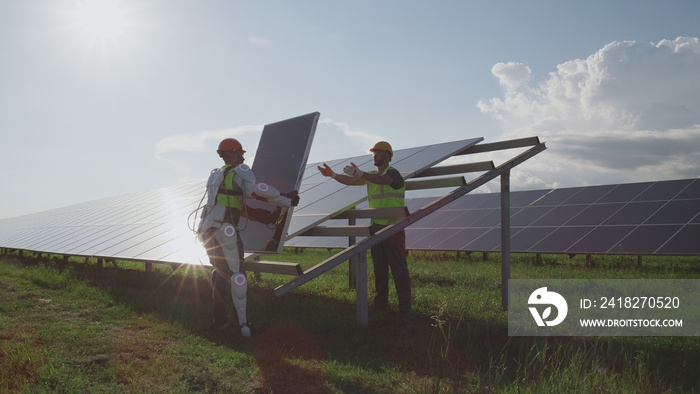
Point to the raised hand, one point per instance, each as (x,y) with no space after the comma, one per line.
(325,170)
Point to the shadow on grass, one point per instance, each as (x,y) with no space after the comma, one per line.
(305,342)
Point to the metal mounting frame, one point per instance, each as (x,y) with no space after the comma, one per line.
(358,251)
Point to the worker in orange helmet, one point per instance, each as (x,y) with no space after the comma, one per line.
(385,188)
(226,191)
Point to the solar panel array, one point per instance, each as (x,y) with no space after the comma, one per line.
(148,226)
(637,218)
(152,226)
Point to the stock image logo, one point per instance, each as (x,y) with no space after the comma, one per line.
(543,297)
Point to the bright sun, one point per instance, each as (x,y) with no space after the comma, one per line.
(100,20)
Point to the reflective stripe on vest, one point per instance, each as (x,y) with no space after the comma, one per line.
(230,193)
(385,196)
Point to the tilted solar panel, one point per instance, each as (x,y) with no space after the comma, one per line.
(153,226)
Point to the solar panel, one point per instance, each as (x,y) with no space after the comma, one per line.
(280,162)
(657,217)
(149,226)
(152,226)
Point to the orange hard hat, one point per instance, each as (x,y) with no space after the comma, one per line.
(230,144)
(383,145)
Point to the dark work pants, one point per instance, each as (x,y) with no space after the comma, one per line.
(391,254)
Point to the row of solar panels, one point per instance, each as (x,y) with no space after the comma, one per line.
(144,226)
(638,218)
(153,226)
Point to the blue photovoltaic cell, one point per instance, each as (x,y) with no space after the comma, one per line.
(645,239)
(474,201)
(624,193)
(491,219)
(676,212)
(526,216)
(490,240)
(589,195)
(632,212)
(461,237)
(439,236)
(601,238)
(683,242)
(415,235)
(557,196)
(692,191)
(491,203)
(466,218)
(523,199)
(522,241)
(663,191)
(437,219)
(594,214)
(559,240)
(558,216)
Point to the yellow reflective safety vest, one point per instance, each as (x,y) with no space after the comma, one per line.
(230,194)
(385,196)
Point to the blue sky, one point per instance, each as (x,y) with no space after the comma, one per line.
(96,106)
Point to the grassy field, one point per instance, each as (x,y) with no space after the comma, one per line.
(74,326)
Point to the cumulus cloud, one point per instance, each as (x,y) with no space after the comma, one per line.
(511,75)
(629,112)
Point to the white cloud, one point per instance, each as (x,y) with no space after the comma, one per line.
(198,142)
(353,141)
(629,112)
(511,75)
(188,156)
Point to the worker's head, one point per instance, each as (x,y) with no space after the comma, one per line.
(382,153)
(231,151)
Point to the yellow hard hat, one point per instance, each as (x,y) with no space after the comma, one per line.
(383,145)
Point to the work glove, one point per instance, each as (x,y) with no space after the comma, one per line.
(352,170)
(294,196)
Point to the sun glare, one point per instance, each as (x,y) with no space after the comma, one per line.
(100,20)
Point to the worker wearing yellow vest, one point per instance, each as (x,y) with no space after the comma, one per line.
(227,190)
(385,188)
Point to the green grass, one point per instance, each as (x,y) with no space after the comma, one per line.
(74,326)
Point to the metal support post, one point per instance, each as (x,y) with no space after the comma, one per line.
(361,290)
(352,263)
(505,239)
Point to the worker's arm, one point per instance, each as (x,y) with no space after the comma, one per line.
(377,179)
(344,179)
(391,177)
